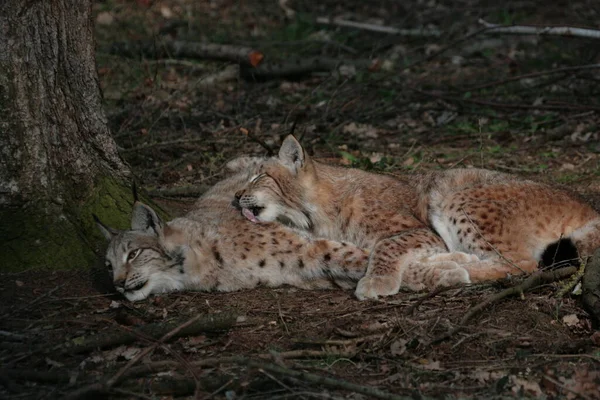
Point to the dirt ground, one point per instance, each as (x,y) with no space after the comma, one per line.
(522,104)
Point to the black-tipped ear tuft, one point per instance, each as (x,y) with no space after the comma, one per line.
(135,193)
(106,231)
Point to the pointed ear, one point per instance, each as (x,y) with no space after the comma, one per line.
(143,218)
(107,232)
(291,154)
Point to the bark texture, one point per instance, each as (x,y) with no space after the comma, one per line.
(58,162)
(590,286)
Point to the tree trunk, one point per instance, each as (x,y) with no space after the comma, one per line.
(58,162)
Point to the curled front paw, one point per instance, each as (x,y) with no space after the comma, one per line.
(371,287)
(451,277)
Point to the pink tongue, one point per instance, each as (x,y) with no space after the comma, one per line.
(248,214)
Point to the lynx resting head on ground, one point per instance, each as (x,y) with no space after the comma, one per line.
(437,228)
(213,248)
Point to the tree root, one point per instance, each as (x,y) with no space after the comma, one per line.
(535,280)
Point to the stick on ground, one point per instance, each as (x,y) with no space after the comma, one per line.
(535,280)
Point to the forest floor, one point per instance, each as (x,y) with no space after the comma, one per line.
(528,105)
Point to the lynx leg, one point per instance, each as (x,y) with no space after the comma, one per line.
(429,275)
(390,258)
(329,259)
(497,268)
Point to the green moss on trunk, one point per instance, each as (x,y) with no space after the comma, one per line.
(62,236)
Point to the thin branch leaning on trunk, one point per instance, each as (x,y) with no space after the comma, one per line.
(541,30)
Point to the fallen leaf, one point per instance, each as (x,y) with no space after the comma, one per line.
(398,347)
(166,12)
(126,352)
(520,385)
(19,283)
(255,58)
(53,363)
(570,320)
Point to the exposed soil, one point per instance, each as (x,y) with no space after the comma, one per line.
(418,109)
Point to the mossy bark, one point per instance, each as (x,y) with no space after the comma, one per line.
(58,161)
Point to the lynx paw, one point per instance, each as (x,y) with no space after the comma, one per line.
(451,277)
(371,287)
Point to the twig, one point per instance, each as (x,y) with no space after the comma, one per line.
(532,75)
(201,323)
(298,67)
(541,30)
(346,342)
(378,28)
(105,385)
(32,302)
(322,380)
(445,48)
(514,106)
(254,138)
(440,289)
(535,280)
(184,49)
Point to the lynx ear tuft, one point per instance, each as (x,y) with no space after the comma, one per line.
(135,193)
(291,154)
(106,231)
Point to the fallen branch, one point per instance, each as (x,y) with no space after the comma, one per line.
(378,28)
(590,286)
(535,280)
(298,67)
(252,65)
(513,106)
(203,323)
(322,380)
(184,49)
(541,30)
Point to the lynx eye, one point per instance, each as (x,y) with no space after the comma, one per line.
(133,254)
(109,266)
(257,177)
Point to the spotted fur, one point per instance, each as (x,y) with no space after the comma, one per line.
(214,248)
(425,230)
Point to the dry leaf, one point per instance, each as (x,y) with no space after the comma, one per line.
(398,347)
(570,320)
(166,12)
(19,283)
(527,387)
(255,58)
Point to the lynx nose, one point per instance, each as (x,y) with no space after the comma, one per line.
(236,200)
(119,283)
